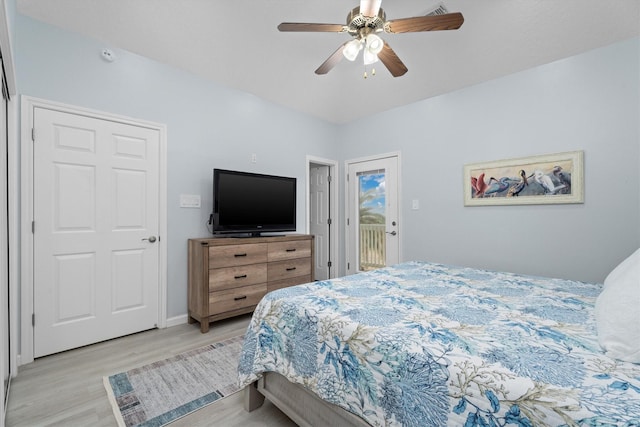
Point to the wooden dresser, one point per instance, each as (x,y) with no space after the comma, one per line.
(228,276)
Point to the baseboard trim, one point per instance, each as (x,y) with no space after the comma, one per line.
(173,321)
(177,320)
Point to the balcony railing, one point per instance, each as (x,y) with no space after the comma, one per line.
(372,246)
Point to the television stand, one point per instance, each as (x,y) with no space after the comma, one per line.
(228,277)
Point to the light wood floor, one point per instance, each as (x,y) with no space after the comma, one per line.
(66,389)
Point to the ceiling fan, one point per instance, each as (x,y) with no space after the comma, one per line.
(363,23)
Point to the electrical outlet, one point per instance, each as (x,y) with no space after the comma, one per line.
(254,158)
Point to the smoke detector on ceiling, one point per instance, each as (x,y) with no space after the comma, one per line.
(108,55)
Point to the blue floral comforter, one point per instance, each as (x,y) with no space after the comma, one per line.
(422,344)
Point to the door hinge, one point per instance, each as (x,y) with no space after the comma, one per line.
(33,134)
(33,319)
(348,266)
(328,221)
(33,227)
(329,178)
(347,221)
(329,264)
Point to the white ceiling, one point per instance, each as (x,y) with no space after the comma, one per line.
(236,43)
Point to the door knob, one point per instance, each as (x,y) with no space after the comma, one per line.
(393,233)
(151,239)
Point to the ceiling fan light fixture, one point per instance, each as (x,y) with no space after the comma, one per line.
(369,57)
(374,44)
(352,49)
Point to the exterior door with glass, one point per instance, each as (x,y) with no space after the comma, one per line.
(373,232)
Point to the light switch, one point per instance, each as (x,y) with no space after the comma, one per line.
(189,200)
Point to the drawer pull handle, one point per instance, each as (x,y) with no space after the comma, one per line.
(291,250)
(291,268)
(239,298)
(239,255)
(242,276)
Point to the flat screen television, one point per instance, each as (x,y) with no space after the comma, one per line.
(245,202)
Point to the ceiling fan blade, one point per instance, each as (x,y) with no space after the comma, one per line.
(331,61)
(449,21)
(300,26)
(370,7)
(390,60)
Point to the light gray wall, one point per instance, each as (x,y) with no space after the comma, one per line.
(588,102)
(10,8)
(208,125)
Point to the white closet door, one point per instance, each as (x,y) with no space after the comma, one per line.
(96,255)
(5,351)
(319,219)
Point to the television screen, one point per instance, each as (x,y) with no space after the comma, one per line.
(246,202)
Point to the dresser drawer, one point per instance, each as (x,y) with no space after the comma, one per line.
(234,277)
(285,283)
(237,298)
(289,250)
(290,268)
(234,255)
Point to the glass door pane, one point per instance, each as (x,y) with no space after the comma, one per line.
(372,216)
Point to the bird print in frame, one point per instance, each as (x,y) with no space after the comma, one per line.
(544,179)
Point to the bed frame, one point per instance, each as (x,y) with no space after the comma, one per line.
(303,407)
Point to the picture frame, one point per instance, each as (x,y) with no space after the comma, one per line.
(544,179)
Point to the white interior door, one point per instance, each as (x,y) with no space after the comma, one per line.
(319,222)
(373,231)
(96,223)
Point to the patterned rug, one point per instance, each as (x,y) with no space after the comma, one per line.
(161,392)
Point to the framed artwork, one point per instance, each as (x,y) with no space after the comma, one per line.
(547,179)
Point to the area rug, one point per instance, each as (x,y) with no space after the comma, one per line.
(156,394)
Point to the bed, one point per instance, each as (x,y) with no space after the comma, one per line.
(421,344)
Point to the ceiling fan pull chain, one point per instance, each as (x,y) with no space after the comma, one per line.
(373,71)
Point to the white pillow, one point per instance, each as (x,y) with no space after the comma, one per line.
(618,311)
